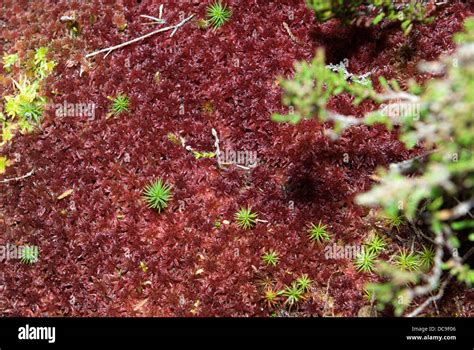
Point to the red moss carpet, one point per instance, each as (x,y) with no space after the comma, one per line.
(93,241)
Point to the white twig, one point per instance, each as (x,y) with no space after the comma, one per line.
(401,95)
(433,280)
(292,36)
(407,165)
(431,299)
(112,48)
(19,177)
(157,20)
(217,147)
(459,210)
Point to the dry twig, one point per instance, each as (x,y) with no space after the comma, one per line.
(112,48)
(19,177)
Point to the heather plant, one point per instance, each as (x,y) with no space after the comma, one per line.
(351,11)
(435,193)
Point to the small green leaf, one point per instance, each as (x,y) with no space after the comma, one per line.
(9,61)
(379,18)
(4,162)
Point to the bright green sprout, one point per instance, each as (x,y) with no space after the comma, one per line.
(218,14)
(271,296)
(29,254)
(426,257)
(40,55)
(30,111)
(119,104)
(9,61)
(293,294)
(200,155)
(318,232)
(369,295)
(173,138)
(304,283)
(143,266)
(270,258)
(376,244)
(157,194)
(365,261)
(4,162)
(245,218)
(394,220)
(407,261)
(217,224)
(202,23)
(42,66)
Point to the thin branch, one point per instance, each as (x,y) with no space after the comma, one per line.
(19,177)
(392,95)
(431,299)
(154,19)
(420,233)
(327,294)
(459,210)
(433,281)
(434,278)
(216,143)
(407,165)
(292,36)
(112,48)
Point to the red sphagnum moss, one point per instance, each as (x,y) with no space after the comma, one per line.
(92,242)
